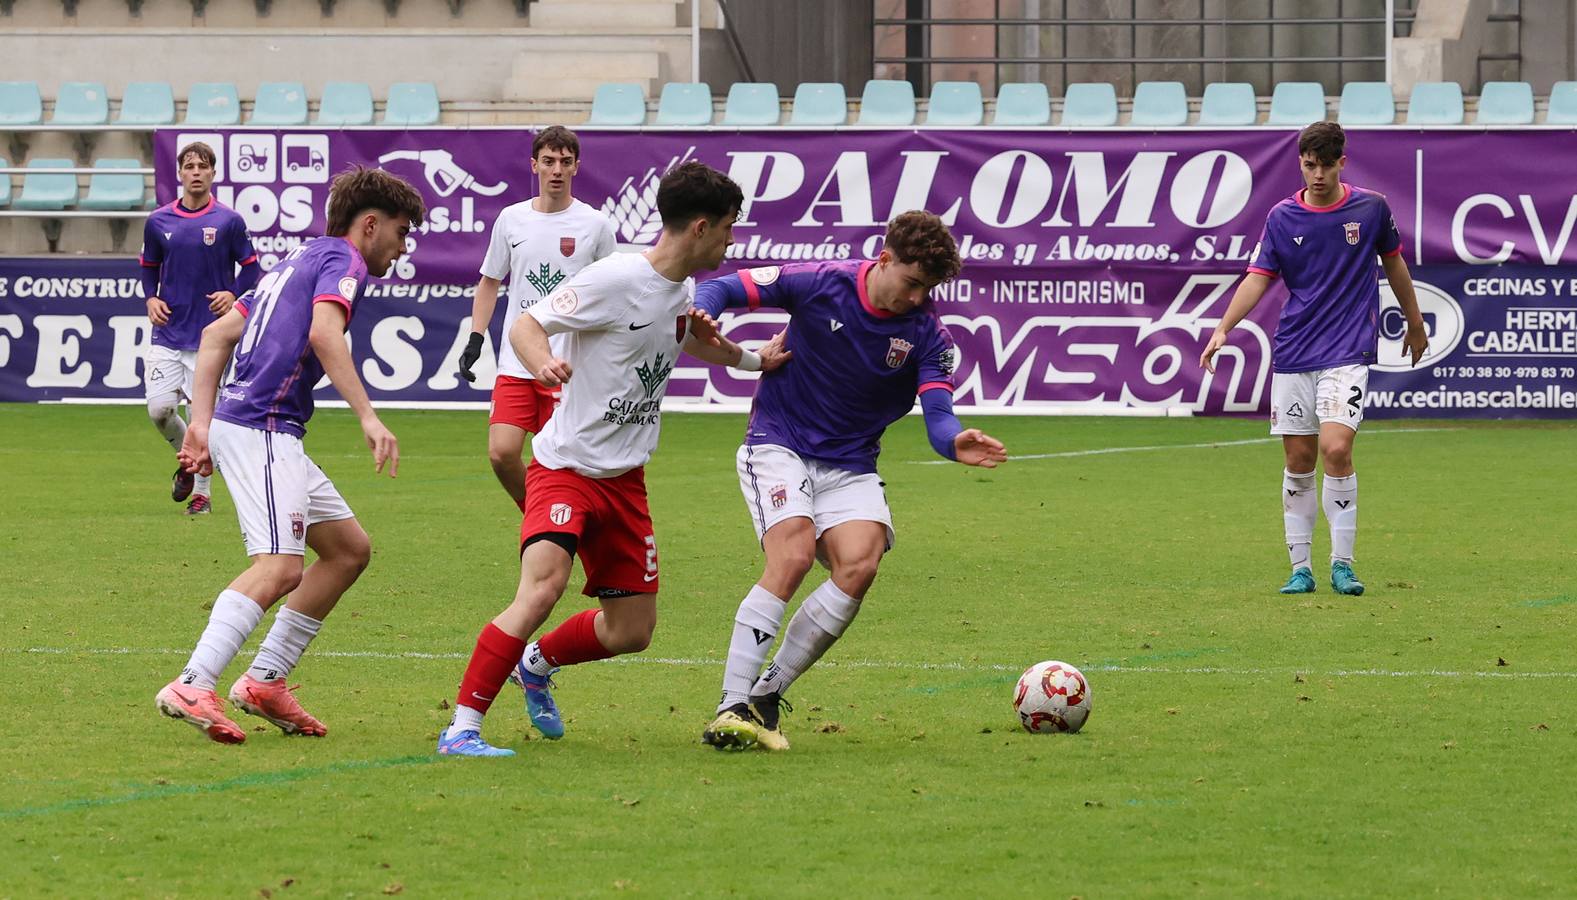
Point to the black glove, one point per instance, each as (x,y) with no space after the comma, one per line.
(469,356)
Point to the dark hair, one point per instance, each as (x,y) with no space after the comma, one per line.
(359,188)
(203,151)
(694,189)
(920,237)
(556,137)
(1324,140)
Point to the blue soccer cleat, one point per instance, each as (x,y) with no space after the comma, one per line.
(540,708)
(1343,581)
(468,743)
(1301,582)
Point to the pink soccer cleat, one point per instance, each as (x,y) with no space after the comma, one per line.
(200,708)
(273,701)
(200,505)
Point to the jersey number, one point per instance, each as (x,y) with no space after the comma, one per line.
(1355,402)
(263,297)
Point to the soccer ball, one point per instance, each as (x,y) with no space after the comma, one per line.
(1052,696)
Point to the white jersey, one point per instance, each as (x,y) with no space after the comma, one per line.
(537,252)
(626,324)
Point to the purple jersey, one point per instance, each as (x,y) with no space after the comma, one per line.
(270,387)
(1326,256)
(196,253)
(856,369)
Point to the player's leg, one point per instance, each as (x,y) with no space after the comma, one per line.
(505,443)
(517,409)
(1341,396)
(201,502)
(1293,417)
(162,376)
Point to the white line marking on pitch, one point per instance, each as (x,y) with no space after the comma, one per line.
(1104,450)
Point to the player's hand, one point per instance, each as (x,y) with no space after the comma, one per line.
(1218,339)
(381,441)
(773,354)
(219,302)
(469,356)
(1416,341)
(703,328)
(193,455)
(554,372)
(973,447)
(158,311)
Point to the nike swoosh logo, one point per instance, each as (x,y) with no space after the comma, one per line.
(481,698)
(185,699)
(648,578)
(518,243)
(635,327)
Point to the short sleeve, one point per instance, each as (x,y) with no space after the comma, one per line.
(152,249)
(592,301)
(241,243)
(1389,242)
(339,281)
(606,244)
(496,264)
(1266,258)
(939,358)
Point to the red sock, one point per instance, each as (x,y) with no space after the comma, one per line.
(495,656)
(573,642)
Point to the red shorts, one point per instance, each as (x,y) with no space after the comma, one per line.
(523,403)
(607,516)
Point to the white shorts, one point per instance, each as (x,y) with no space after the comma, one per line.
(1301,401)
(279,492)
(780,484)
(166,370)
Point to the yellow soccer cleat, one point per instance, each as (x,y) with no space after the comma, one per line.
(733,729)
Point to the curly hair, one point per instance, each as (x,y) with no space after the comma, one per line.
(359,188)
(921,237)
(1325,141)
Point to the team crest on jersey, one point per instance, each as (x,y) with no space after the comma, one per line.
(298,525)
(779,496)
(347,287)
(559,513)
(681,328)
(210,235)
(1351,228)
(898,352)
(567,245)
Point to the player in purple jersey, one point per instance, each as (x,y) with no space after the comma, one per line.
(290,332)
(865,340)
(190,250)
(1322,242)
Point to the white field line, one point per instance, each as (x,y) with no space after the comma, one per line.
(1100,451)
(857,664)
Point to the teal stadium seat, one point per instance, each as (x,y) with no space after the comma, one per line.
(48,191)
(1297,103)
(955,103)
(20,103)
(1435,103)
(411,103)
(1089,105)
(279,103)
(1563,104)
(685,104)
(5,183)
(109,189)
(752,104)
(1160,104)
(618,104)
(81,103)
(1228,104)
(213,103)
(886,102)
(345,103)
(1366,103)
(1505,103)
(1024,105)
(147,103)
(819,103)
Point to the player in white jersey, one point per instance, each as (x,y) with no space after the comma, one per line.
(536,244)
(627,318)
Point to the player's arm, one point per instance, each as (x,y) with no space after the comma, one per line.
(327,339)
(482,306)
(213,353)
(530,341)
(152,259)
(1247,296)
(1417,339)
(706,343)
(755,288)
(950,438)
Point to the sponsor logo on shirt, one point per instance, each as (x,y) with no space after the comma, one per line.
(653,376)
(347,287)
(898,352)
(948,360)
(559,513)
(210,235)
(1351,228)
(564,302)
(765,275)
(546,278)
(567,245)
(226,393)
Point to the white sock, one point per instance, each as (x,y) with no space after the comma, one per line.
(202,484)
(465,719)
(1341,510)
(756,623)
(286,641)
(1298,513)
(536,663)
(165,413)
(818,623)
(232,620)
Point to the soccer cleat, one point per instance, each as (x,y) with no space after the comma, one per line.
(273,701)
(200,708)
(1301,582)
(468,743)
(540,708)
(181,484)
(733,729)
(200,505)
(769,709)
(1343,581)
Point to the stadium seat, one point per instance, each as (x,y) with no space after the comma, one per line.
(1366,103)
(81,103)
(618,104)
(108,189)
(147,103)
(1505,103)
(411,103)
(1563,104)
(886,102)
(752,103)
(1228,103)
(279,103)
(955,103)
(1023,104)
(685,104)
(48,191)
(1160,104)
(1297,103)
(20,103)
(1090,105)
(213,103)
(345,103)
(5,183)
(819,103)
(1435,103)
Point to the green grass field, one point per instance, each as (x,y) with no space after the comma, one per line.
(1241,744)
